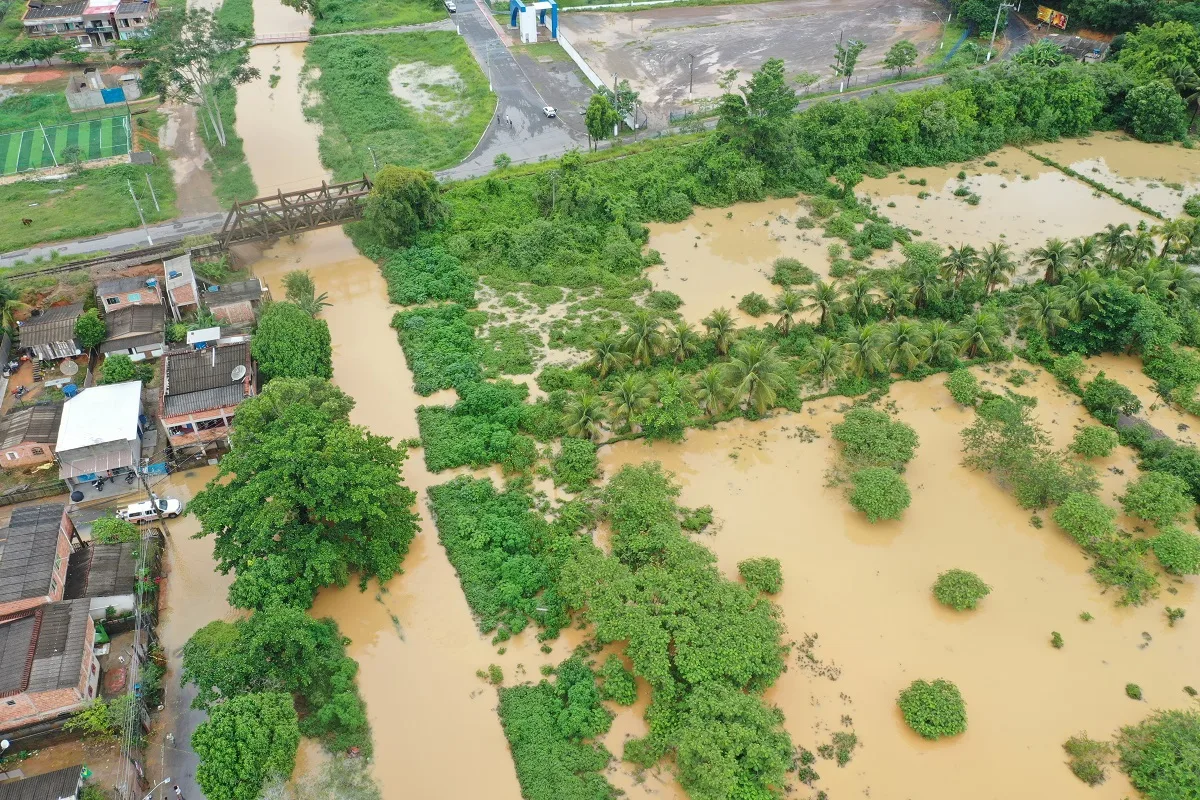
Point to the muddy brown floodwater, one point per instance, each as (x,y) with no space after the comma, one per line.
(864,591)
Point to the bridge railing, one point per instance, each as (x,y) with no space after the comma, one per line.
(281,38)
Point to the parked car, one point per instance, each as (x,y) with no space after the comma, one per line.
(145,511)
(550,111)
(450,6)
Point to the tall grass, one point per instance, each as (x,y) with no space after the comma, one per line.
(232,179)
(356,108)
(357,15)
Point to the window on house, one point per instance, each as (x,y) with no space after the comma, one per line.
(124,23)
(11,456)
(111,301)
(37,451)
(135,298)
(10,702)
(180,430)
(209,424)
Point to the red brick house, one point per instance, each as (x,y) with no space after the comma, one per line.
(47,665)
(201,392)
(35,551)
(125,292)
(27,435)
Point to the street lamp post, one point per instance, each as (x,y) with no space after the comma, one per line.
(999,10)
(150,794)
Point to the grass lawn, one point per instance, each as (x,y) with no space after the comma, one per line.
(357,15)
(92,202)
(230,172)
(356,108)
(11,12)
(540,50)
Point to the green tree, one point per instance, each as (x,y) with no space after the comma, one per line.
(904,345)
(864,354)
(1043,311)
(871,438)
(1160,755)
(1052,258)
(1154,53)
(1042,53)
(402,203)
(119,368)
(301,289)
(1094,441)
(755,374)
(786,305)
(189,58)
(1157,497)
(963,387)
(880,493)
(682,341)
(901,56)
(943,341)
(846,57)
(1156,113)
(600,118)
(607,354)
(629,398)
(1177,550)
(960,590)
(10,301)
(244,742)
(584,416)
(304,498)
(762,574)
(711,390)
(290,343)
(107,530)
(960,262)
(996,266)
(824,360)
(1107,399)
(823,299)
(934,709)
(90,330)
(981,332)
(859,298)
(643,337)
(722,329)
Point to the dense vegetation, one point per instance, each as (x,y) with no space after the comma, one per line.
(959,589)
(934,709)
(304,498)
(1161,755)
(291,343)
(243,743)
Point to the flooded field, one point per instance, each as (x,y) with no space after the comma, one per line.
(864,591)
(1127,369)
(1160,175)
(1022,203)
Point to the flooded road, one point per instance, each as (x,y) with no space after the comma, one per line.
(865,592)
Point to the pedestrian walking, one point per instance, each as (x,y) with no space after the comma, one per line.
(178,791)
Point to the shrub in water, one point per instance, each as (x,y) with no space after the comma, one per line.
(933,710)
(963,387)
(1177,550)
(763,574)
(959,589)
(880,493)
(1094,441)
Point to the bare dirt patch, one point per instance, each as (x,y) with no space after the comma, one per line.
(435,90)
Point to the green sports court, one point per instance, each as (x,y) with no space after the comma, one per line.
(21,151)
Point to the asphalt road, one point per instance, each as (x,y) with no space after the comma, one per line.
(130,239)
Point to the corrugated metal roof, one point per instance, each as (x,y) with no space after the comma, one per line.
(235,293)
(132,342)
(61,641)
(16,651)
(57,785)
(121,286)
(27,548)
(56,325)
(204,400)
(103,570)
(133,320)
(61,10)
(210,368)
(32,424)
(134,8)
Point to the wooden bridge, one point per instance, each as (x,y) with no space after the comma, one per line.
(294,212)
(281,38)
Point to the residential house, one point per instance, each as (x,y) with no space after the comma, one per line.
(27,435)
(182,293)
(201,390)
(237,303)
(62,784)
(134,18)
(106,575)
(99,22)
(56,19)
(35,550)
(101,433)
(47,665)
(135,331)
(124,292)
(51,334)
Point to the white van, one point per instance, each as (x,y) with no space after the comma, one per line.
(145,512)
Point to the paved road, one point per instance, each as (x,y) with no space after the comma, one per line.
(531,135)
(131,239)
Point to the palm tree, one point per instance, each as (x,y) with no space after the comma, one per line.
(1148,279)
(1141,248)
(755,374)
(786,305)
(1082,292)
(1176,235)
(958,263)
(904,344)
(859,294)
(9,302)
(925,278)
(895,295)
(1043,311)
(644,339)
(981,331)
(1052,259)
(584,416)
(631,395)
(944,341)
(607,354)
(1115,242)
(722,329)
(824,299)
(1182,282)
(682,341)
(302,290)
(862,346)
(1084,252)
(996,266)
(824,360)
(711,391)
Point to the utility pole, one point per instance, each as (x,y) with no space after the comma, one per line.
(141,473)
(840,58)
(999,10)
(138,206)
(153,196)
(374,160)
(691,63)
(47,140)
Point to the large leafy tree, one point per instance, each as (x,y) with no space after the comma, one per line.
(901,56)
(600,118)
(90,330)
(243,743)
(1155,52)
(188,58)
(758,118)
(304,498)
(402,203)
(290,343)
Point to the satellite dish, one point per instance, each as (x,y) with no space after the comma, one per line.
(69,368)
(239,372)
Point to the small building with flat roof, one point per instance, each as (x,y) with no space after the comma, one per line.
(122,292)
(235,304)
(101,432)
(182,294)
(27,435)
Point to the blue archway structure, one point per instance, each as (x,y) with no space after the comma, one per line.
(516,7)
